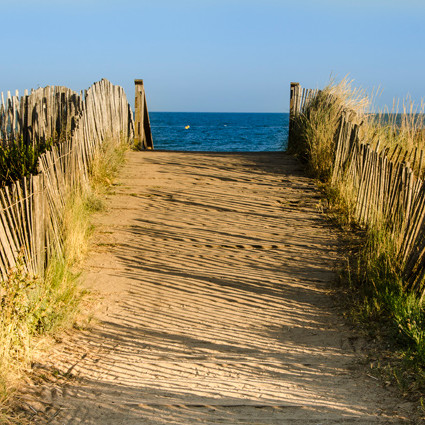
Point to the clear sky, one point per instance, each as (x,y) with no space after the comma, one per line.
(215,55)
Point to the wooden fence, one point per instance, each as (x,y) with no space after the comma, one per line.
(32,210)
(48,113)
(386,188)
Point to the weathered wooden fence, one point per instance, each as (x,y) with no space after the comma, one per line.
(386,188)
(48,113)
(32,210)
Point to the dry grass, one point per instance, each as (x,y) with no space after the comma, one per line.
(400,134)
(34,307)
(402,126)
(316,128)
(107,162)
(378,298)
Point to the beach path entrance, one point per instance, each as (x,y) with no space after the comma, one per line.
(214,274)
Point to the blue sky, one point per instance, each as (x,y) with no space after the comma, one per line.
(215,55)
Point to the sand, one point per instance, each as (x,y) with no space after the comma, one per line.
(213,276)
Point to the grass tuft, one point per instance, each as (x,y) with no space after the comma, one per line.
(107,162)
(316,129)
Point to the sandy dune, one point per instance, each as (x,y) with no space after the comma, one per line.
(214,274)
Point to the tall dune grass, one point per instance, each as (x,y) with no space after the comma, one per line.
(399,126)
(316,129)
(378,294)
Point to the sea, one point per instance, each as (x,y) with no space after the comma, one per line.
(219,132)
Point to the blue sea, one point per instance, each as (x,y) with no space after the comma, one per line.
(219,132)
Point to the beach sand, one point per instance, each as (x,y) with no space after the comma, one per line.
(213,277)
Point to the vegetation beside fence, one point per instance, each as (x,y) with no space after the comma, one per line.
(74,143)
(371,168)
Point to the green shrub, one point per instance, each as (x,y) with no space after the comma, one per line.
(19,159)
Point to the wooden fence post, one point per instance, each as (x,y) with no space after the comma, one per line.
(142,133)
(295,89)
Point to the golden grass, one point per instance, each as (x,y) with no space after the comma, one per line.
(34,307)
(402,126)
(316,129)
(378,298)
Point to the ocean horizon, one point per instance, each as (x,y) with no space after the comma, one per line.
(220,131)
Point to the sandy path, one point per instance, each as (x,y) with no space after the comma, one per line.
(214,270)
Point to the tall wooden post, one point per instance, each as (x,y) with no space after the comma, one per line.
(142,133)
(293,109)
(295,88)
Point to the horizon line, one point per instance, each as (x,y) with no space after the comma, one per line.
(218,112)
